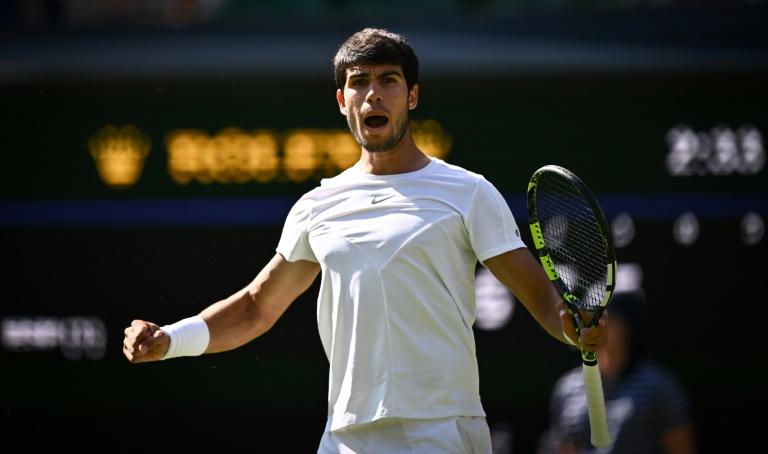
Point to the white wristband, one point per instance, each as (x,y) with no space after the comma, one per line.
(189,337)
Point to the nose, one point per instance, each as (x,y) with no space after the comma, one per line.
(374,93)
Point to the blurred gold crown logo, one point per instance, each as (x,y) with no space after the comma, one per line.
(119,153)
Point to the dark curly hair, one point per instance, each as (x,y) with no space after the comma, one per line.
(375,46)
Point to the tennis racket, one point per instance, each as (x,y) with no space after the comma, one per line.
(575,248)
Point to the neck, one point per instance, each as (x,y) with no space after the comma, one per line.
(402,158)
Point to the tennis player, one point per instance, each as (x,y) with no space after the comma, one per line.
(396,239)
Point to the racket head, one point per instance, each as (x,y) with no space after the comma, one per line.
(572,238)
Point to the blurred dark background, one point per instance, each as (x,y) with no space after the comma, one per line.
(152,149)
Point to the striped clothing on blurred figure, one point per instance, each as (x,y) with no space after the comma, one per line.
(648,401)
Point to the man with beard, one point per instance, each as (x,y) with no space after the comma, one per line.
(396,238)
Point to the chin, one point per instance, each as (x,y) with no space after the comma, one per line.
(378,148)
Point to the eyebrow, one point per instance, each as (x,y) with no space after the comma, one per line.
(364,74)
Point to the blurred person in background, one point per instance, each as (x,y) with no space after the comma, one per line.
(647,406)
(396,239)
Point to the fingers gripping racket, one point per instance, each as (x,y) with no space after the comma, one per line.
(575,248)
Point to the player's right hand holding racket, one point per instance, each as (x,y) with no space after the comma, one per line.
(575,248)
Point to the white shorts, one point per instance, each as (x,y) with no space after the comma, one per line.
(458,434)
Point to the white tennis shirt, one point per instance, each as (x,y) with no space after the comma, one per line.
(397,300)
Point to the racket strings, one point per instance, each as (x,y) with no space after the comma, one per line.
(574,237)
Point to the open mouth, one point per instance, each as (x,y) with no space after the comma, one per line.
(376,121)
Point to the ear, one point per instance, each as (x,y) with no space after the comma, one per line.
(342,102)
(413,97)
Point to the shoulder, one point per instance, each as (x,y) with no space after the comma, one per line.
(345,177)
(654,375)
(329,193)
(650,369)
(326,187)
(460,180)
(306,204)
(446,170)
(666,392)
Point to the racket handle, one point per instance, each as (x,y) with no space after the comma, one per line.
(598,422)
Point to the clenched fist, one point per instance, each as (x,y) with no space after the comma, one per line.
(144,342)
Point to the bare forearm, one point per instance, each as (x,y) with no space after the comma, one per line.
(524,277)
(226,324)
(233,322)
(541,300)
(546,312)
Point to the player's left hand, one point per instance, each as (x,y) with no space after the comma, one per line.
(590,339)
(593,338)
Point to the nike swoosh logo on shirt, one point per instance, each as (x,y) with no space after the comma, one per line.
(378,199)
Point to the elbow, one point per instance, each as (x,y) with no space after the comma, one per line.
(259,318)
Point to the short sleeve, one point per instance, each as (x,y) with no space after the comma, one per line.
(491,225)
(294,241)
